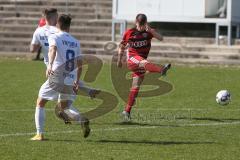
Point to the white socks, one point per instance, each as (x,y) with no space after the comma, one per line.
(72,112)
(39,119)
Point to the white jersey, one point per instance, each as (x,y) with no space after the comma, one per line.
(68,49)
(40,37)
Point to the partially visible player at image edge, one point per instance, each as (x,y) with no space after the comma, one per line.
(137,42)
(41,23)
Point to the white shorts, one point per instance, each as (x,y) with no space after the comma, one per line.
(48,93)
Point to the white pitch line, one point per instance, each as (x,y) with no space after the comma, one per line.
(125,128)
(32,110)
(22,110)
(184,109)
(74,131)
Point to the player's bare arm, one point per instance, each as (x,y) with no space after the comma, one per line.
(79,72)
(154,33)
(121,50)
(34,48)
(51,56)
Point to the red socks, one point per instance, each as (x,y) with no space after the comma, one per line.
(134,91)
(152,67)
(131,99)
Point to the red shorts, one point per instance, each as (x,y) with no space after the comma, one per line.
(133,64)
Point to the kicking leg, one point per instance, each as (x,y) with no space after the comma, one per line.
(73,114)
(59,112)
(148,66)
(90,91)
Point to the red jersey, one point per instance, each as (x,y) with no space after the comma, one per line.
(138,43)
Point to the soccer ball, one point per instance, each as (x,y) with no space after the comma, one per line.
(223,97)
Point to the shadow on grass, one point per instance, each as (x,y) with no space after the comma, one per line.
(164,124)
(144,142)
(212,119)
(153,142)
(67,140)
(143,124)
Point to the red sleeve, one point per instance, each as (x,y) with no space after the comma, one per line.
(125,38)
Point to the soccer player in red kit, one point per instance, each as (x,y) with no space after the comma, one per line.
(137,42)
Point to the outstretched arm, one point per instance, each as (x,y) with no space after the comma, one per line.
(154,33)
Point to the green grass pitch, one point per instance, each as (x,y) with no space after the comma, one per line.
(183,124)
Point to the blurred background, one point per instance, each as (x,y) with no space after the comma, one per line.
(205,31)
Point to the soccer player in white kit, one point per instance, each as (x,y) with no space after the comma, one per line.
(64,50)
(40,39)
(41,34)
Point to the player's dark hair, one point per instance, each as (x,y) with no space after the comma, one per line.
(141,19)
(64,21)
(49,13)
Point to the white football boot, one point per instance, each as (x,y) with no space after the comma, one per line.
(126,116)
